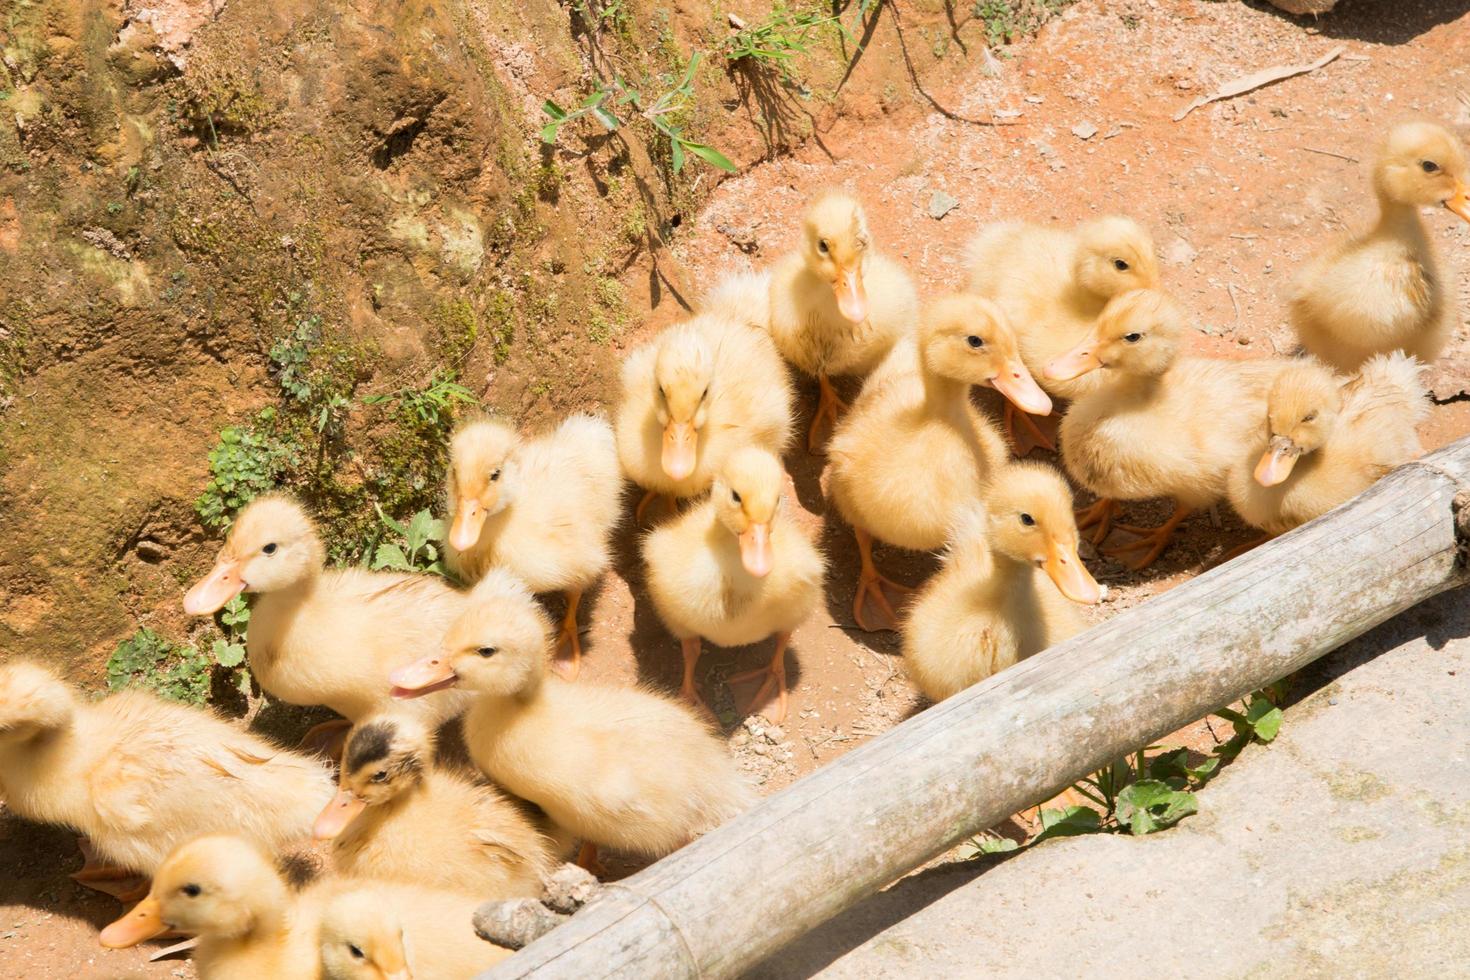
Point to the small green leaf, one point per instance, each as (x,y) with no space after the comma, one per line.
(1149,805)
(548,132)
(554,111)
(678,155)
(995,845)
(228,654)
(608,120)
(391,556)
(711,156)
(236,612)
(1071,822)
(1264,718)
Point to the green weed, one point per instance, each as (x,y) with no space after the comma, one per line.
(418,546)
(1007,21)
(147,660)
(432,407)
(779,38)
(245,463)
(610,98)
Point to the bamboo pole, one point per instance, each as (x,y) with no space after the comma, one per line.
(740,893)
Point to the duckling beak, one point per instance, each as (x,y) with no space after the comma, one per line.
(679,443)
(1016,383)
(1276,462)
(1064,566)
(469,518)
(144,922)
(756,553)
(852,298)
(210,593)
(1460,202)
(422,677)
(1076,362)
(338,815)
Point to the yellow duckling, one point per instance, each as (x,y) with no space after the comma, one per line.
(700,390)
(139,775)
(1326,441)
(837,305)
(1052,284)
(369,932)
(1157,425)
(324,636)
(400,817)
(913,448)
(227,892)
(544,508)
(1010,569)
(1383,290)
(736,569)
(616,766)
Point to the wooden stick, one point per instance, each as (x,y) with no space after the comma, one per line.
(740,893)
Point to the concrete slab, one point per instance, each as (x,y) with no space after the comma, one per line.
(1342,849)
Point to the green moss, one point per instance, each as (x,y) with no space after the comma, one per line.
(457,327)
(147,660)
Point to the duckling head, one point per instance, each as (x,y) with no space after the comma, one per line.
(683,371)
(969,339)
(33,701)
(835,245)
(499,645)
(746,495)
(362,940)
(1423,164)
(272,546)
(1116,254)
(1301,410)
(1029,512)
(479,461)
(1138,332)
(384,757)
(220,886)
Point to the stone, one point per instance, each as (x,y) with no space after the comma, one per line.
(515,922)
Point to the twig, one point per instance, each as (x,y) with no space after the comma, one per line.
(1255,80)
(1230,288)
(1329,153)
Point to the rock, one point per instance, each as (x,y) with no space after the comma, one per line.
(570,887)
(941,204)
(775,734)
(1179,252)
(1304,6)
(1084,130)
(516,922)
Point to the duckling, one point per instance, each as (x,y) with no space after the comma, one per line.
(400,817)
(139,775)
(226,891)
(616,766)
(736,569)
(369,932)
(698,391)
(1326,441)
(544,508)
(1010,567)
(837,304)
(324,636)
(1052,284)
(1157,425)
(1383,290)
(914,448)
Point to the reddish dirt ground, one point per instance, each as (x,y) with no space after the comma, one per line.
(1238,195)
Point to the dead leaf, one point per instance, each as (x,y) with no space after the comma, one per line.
(1255,80)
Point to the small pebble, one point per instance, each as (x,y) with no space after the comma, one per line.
(775,734)
(1332,700)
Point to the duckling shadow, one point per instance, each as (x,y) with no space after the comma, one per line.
(657,653)
(287,723)
(37,859)
(844,564)
(805,466)
(1376,23)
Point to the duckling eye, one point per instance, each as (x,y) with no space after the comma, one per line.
(381,776)
(494,476)
(1028,520)
(269,549)
(357,954)
(1429,166)
(822,245)
(1310,417)
(1120,265)
(975,342)
(1133,338)
(192,890)
(735,496)
(488,651)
